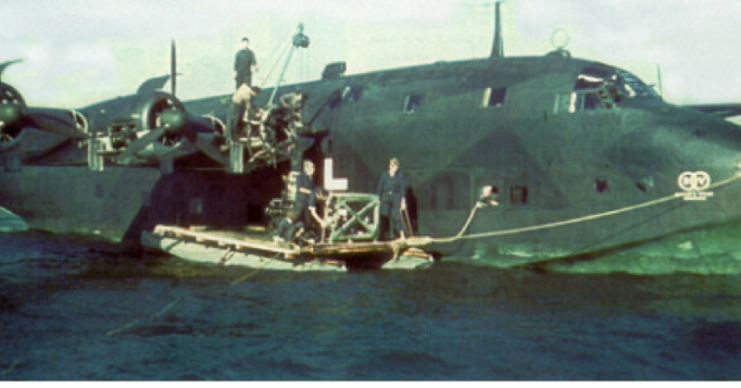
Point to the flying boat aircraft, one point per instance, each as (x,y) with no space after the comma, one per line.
(582,156)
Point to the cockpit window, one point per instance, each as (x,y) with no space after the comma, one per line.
(633,85)
(602,87)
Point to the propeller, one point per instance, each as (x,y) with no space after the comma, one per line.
(12,105)
(168,121)
(141,143)
(203,141)
(9,114)
(15,116)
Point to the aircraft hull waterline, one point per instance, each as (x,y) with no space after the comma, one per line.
(123,202)
(506,239)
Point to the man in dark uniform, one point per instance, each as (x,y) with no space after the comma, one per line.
(317,205)
(293,103)
(244,63)
(391,191)
(289,228)
(304,189)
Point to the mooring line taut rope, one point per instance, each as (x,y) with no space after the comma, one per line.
(151,318)
(590,217)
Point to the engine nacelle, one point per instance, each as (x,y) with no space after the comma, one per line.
(80,121)
(151,128)
(12,111)
(38,128)
(158,111)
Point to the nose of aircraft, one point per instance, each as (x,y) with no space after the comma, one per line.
(716,144)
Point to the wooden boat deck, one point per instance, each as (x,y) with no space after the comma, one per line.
(354,254)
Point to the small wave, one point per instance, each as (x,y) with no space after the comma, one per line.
(400,365)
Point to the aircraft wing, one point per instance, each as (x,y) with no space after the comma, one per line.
(720,110)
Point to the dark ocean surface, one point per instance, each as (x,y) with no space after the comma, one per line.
(73,308)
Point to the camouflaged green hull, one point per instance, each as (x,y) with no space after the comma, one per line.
(558,138)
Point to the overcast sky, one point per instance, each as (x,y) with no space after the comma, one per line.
(77,52)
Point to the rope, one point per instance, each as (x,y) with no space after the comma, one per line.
(11,367)
(460,235)
(277,58)
(165,309)
(152,317)
(468,221)
(223,259)
(251,274)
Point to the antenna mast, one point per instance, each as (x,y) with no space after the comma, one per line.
(497,49)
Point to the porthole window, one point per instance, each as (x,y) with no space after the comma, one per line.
(412,103)
(493,97)
(518,194)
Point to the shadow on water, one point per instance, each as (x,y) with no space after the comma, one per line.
(717,339)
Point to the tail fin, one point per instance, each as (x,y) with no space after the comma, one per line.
(7,64)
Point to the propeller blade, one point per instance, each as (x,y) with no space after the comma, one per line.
(205,143)
(173,67)
(142,142)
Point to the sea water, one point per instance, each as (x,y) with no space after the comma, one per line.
(74,308)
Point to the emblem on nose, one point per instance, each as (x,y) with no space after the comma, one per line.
(694,185)
(694,181)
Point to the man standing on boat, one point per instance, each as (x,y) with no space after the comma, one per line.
(304,190)
(244,64)
(317,205)
(391,192)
